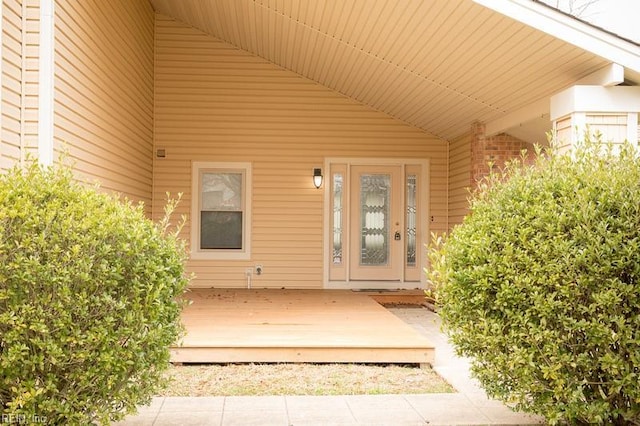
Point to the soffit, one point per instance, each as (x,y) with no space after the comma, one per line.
(438,65)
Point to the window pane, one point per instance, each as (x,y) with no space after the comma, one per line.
(337,218)
(412,209)
(221,230)
(222,191)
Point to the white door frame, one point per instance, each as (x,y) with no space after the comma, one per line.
(423,215)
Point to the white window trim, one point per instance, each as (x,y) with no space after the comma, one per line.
(220,254)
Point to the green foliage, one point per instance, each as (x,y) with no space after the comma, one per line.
(88,300)
(540,285)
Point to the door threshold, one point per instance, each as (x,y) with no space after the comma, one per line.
(374,286)
(377,290)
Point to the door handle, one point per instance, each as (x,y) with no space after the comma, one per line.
(397,236)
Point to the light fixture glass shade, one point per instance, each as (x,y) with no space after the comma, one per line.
(317,178)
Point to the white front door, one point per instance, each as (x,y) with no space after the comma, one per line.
(376,248)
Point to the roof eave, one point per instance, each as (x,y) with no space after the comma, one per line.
(574,31)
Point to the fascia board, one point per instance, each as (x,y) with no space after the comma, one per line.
(595,99)
(522,115)
(570,30)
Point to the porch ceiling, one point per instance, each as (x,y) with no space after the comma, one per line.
(437,64)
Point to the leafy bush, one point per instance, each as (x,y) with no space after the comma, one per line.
(88,300)
(540,285)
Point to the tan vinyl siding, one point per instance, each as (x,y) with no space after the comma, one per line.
(459,178)
(103,101)
(214,102)
(12,65)
(611,127)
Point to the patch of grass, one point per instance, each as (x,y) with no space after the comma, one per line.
(302,379)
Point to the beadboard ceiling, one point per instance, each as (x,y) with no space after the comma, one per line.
(436,64)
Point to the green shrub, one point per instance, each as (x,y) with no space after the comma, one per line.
(88,300)
(540,285)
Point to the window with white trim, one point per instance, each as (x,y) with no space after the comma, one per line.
(221,211)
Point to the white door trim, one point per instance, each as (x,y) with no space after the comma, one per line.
(45,82)
(424,214)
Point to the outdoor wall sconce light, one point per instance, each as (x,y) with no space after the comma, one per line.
(317,178)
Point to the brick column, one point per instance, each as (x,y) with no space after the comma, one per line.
(497,149)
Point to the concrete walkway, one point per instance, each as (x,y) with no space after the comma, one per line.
(470,406)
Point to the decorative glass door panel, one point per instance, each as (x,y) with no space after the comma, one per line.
(375,191)
(376,215)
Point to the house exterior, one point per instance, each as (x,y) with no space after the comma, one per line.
(236,104)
